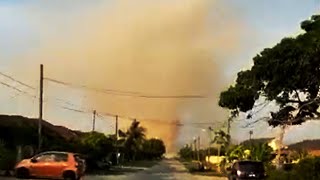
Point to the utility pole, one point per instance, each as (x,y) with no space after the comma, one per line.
(195,148)
(117,150)
(250,136)
(40,109)
(94,121)
(117,127)
(199,148)
(210,140)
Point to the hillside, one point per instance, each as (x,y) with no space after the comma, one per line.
(21,130)
(256,141)
(306,144)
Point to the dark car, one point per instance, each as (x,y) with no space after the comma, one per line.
(247,170)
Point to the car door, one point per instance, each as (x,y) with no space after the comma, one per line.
(39,168)
(56,168)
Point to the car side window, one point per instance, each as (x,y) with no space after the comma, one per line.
(46,158)
(61,157)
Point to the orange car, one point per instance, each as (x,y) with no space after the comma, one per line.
(58,165)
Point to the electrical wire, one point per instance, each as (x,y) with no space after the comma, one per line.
(109,91)
(17,89)
(13,79)
(73,109)
(101,114)
(125,93)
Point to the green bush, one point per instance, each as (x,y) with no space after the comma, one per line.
(306,169)
(7,158)
(280,175)
(186,153)
(152,149)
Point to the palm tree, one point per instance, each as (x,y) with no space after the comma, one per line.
(134,138)
(261,152)
(236,153)
(221,139)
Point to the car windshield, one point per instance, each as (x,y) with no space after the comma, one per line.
(251,166)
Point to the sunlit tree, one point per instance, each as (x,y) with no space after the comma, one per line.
(287,74)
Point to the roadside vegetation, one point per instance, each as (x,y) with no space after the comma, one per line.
(19,141)
(287,76)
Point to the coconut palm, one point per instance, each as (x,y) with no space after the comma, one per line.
(261,152)
(134,138)
(221,139)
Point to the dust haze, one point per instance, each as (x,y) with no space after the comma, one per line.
(153,47)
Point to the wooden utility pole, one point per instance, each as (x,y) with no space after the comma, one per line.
(198,148)
(117,128)
(94,120)
(40,109)
(250,137)
(195,148)
(117,149)
(210,139)
(250,134)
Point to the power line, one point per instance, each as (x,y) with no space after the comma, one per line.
(66,102)
(127,118)
(89,88)
(13,79)
(126,93)
(73,109)
(104,114)
(204,123)
(17,89)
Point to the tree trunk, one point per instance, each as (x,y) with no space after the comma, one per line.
(278,158)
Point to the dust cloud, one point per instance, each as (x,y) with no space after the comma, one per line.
(168,47)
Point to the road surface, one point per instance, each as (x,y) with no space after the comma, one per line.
(165,170)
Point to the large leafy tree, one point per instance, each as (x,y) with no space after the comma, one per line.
(96,146)
(288,73)
(153,148)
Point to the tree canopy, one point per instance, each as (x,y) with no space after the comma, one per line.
(153,148)
(288,73)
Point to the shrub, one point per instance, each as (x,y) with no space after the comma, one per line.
(186,153)
(280,175)
(7,158)
(306,169)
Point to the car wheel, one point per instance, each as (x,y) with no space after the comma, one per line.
(69,175)
(22,173)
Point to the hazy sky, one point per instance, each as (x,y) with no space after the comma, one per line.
(28,27)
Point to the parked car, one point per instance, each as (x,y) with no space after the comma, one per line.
(57,165)
(247,170)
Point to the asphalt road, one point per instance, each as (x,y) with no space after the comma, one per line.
(165,170)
